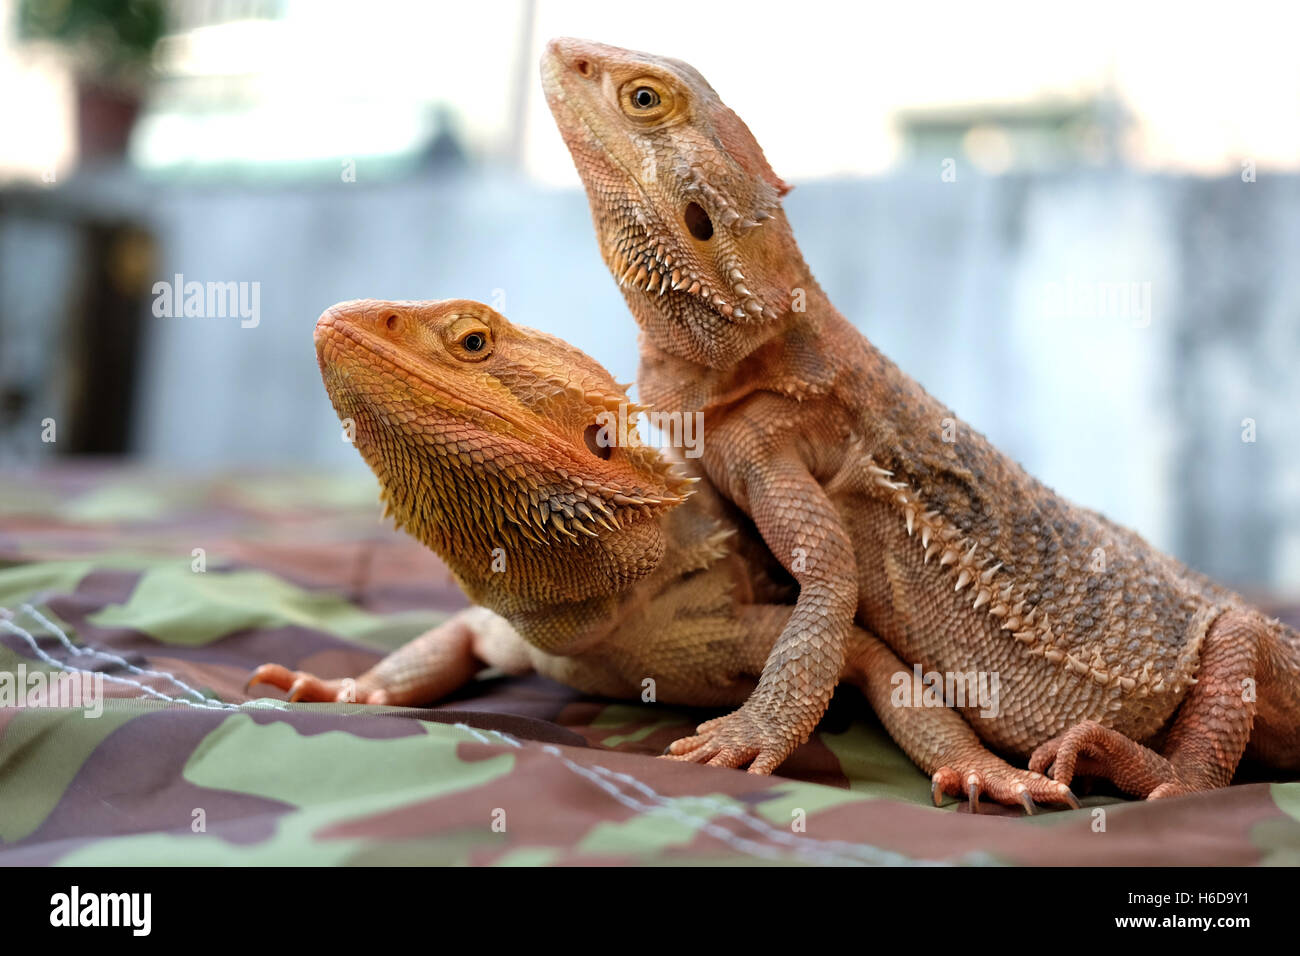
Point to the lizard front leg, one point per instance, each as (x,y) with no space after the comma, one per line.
(940,742)
(421,671)
(803,531)
(1208,736)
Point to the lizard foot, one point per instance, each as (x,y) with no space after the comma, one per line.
(1001,783)
(1090,749)
(303,686)
(737,739)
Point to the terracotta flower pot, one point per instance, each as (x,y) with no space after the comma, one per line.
(105,117)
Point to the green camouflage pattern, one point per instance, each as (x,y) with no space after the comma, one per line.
(98,574)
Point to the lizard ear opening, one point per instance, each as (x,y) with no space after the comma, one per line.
(591,435)
(698,222)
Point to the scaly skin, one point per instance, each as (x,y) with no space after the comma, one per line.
(483,437)
(879,500)
(492,454)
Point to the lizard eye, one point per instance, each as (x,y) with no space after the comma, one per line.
(646,100)
(469,339)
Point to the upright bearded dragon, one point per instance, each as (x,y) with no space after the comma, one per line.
(1112,658)
(495,446)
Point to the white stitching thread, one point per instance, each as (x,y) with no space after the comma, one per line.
(107,655)
(736,842)
(870,854)
(867,853)
(819,851)
(472,732)
(15,629)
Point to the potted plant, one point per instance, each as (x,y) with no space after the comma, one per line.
(111,43)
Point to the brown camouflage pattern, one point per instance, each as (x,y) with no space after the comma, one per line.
(183,767)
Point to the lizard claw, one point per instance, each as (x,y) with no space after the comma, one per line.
(1001,783)
(1090,749)
(733,741)
(307,687)
(274,674)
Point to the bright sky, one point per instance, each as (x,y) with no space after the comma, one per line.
(819,82)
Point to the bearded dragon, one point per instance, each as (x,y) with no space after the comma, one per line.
(1112,659)
(592,557)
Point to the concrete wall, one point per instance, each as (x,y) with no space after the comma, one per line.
(979,288)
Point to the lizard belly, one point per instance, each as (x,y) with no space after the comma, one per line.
(652,679)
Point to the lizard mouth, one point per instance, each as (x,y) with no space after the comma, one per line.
(655,267)
(343,350)
(656,262)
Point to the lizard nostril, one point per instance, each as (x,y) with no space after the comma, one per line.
(393,322)
(584,67)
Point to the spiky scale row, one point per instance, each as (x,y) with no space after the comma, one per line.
(646,263)
(694,182)
(1007,604)
(568,507)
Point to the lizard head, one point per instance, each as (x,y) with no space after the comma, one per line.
(485,435)
(686,207)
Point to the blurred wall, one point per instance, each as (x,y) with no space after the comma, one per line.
(1001,295)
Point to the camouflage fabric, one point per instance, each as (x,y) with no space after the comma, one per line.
(99,574)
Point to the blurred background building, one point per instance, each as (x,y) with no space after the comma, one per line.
(1076,227)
